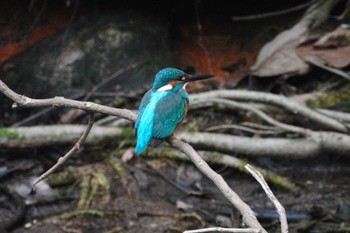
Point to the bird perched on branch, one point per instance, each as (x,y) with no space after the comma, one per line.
(163,107)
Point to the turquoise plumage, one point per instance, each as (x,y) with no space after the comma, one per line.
(163,107)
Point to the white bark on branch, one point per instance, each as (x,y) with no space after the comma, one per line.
(312,145)
(317,142)
(261,114)
(221,229)
(23,101)
(247,213)
(279,208)
(341,116)
(294,107)
(64,158)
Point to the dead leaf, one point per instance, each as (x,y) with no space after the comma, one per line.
(128,155)
(278,56)
(181,205)
(340,37)
(337,57)
(332,49)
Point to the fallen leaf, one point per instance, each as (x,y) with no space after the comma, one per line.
(340,37)
(181,205)
(128,155)
(279,57)
(337,57)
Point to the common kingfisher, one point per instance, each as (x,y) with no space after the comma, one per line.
(163,107)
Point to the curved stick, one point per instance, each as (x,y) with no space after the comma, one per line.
(244,209)
(280,209)
(23,101)
(277,100)
(76,147)
(248,214)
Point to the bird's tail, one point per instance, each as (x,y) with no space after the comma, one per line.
(140,147)
(144,137)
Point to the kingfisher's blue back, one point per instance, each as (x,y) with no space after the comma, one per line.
(161,110)
(163,107)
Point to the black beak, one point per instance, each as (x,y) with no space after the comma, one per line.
(191,78)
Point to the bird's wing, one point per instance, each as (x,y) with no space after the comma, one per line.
(145,100)
(169,112)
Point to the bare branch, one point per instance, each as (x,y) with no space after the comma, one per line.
(245,128)
(259,126)
(317,142)
(328,68)
(268,98)
(221,229)
(280,209)
(272,14)
(41,113)
(298,148)
(243,208)
(76,147)
(111,77)
(247,213)
(342,116)
(261,114)
(24,101)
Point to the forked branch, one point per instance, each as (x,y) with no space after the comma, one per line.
(248,215)
(75,148)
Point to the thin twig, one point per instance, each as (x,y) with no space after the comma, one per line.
(221,229)
(74,113)
(280,209)
(248,215)
(272,99)
(342,116)
(111,77)
(200,35)
(328,68)
(41,113)
(271,14)
(260,126)
(76,147)
(244,128)
(23,101)
(261,114)
(244,209)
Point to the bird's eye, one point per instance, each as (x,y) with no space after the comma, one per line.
(181,78)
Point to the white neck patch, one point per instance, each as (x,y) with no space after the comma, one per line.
(167,87)
(184,86)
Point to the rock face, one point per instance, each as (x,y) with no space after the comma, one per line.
(81,56)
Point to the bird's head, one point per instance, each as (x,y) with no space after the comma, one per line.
(172,78)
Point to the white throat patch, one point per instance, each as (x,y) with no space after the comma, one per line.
(167,87)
